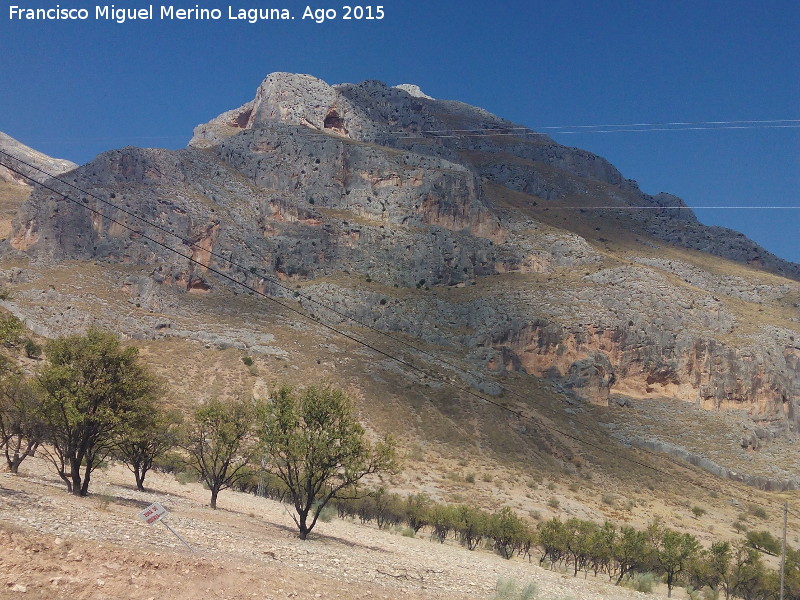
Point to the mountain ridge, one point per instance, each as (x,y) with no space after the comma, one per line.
(485,247)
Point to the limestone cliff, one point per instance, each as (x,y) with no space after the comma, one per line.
(490,245)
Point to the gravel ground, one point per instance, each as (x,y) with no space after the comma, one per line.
(54,546)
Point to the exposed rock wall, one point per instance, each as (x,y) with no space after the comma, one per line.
(363,183)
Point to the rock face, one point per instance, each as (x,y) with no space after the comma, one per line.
(490,245)
(36,160)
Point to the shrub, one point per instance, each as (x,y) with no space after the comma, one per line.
(327,513)
(184,477)
(764,541)
(698,511)
(508,589)
(757,511)
(609,499)
(553,503)
(642,582)
(248,361)
(470,478)
(32,349)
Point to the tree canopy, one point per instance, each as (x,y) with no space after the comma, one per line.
(93,389)
(318,449)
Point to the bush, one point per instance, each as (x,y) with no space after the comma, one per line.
(184,477)
(642,582)
(757,511)
(327,513)
(248,361)
(609,499)
(32,349)
(764,541)
(553,503)
(698,511)
(508,589)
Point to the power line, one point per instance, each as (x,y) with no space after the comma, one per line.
(710,207)
(521,130)
(501,133)
(424,372)
(302,314)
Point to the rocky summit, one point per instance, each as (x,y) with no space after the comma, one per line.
(445,224)
(34,162)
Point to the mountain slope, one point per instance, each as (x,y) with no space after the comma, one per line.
(35,160)
(484,251)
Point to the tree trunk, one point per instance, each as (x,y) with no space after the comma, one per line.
(75,467)
(139,479)
(303,524)
(214,492)
(85,485)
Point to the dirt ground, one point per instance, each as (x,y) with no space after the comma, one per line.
(55,546)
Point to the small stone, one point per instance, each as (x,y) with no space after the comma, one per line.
(18,587)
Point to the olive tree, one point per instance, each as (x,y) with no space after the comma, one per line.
(92,388)
(315,445)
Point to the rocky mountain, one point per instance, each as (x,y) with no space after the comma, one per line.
(441,222)
(34,158)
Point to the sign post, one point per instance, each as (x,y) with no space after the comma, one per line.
(155,513)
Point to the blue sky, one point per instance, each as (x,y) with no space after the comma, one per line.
(74,89)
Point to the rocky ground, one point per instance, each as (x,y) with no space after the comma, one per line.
(55,546)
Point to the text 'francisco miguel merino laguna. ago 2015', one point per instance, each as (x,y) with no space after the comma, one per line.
(110,12)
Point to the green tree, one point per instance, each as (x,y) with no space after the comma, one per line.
(712,568)
(11,330)
(472,525)
(220,441)
(579,533)
(92,389)
(387,508)
(600,547)
(150,435)
(673,552)
(552,536)
(508,532)
(444,518)
(749,577)
(418,511)
(319,450)
(21,425)
(630,551)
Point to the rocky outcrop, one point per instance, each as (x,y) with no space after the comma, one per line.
(642,362)
(31,162)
